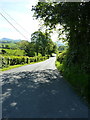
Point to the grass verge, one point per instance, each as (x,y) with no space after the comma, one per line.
(77,78)
(16,66)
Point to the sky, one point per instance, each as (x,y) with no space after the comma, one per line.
(20,11)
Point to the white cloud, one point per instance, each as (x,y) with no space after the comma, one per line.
(20,11)
(32,2)
(24,19)
(15,1)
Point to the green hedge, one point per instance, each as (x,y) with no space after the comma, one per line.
(74,73)
(61,56)
(6,61)
(60,59)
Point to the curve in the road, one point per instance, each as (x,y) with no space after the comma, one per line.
(38,91)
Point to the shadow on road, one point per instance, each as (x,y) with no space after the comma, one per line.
(37,94)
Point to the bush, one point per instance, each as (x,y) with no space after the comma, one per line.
(74,73)
(14,60)
(61,56)
(3,51)
(78,79)
(60,60)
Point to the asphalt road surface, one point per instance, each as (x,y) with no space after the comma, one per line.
(39,91)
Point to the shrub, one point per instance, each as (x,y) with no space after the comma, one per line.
(61,56)
(74,73)
(60,60)
(3,51)
(14,60)
(78,79)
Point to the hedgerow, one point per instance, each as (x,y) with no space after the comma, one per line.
(15,60)
(74,73)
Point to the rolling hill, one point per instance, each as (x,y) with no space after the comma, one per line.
(8,40)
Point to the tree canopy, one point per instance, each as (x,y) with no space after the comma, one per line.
(75,18)
(43,43)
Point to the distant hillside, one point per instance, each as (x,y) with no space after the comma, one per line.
(8,40)
(59,43)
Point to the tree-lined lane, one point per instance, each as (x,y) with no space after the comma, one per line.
(38,91)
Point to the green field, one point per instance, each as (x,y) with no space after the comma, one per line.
(16,52)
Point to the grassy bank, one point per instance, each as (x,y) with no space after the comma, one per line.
(16,66)
(76,76)
(6,61)
(11,67)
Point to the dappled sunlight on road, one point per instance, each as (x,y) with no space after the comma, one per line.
(38,94)
(23,88)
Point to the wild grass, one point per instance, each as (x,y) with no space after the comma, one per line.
(78,79)
(16,66)
(76,76)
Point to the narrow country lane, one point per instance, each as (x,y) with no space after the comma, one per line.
(38,91)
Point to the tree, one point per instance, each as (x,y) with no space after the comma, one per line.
(62,48)
(36,40)
(3,51)
(7,46)
(27,46)
(43,43)
(75,18)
